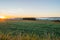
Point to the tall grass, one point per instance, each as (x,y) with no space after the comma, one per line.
(28,37)
(29,30)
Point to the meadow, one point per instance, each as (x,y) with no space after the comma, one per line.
(29,30)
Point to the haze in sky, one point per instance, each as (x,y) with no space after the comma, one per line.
(30,8)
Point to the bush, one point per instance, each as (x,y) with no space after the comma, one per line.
(29,18)
(56,20)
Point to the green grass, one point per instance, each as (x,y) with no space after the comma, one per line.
(29,30)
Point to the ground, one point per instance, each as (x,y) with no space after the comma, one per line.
(29,30)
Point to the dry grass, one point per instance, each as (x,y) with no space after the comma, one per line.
(28,37)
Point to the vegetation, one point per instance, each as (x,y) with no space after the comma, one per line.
(56,20)
(29,30)
(29,18)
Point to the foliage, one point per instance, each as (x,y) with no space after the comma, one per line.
(29,30)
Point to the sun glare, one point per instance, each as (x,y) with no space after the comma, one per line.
(2,17)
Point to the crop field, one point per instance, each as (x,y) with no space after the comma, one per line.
(29,30)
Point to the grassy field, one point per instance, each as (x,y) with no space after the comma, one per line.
(29,30)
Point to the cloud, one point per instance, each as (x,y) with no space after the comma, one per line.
(11,10)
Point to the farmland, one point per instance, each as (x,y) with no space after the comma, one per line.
(29,30)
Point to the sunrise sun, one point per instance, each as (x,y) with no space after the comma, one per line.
(2,17)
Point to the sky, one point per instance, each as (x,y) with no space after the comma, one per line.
(30,8)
